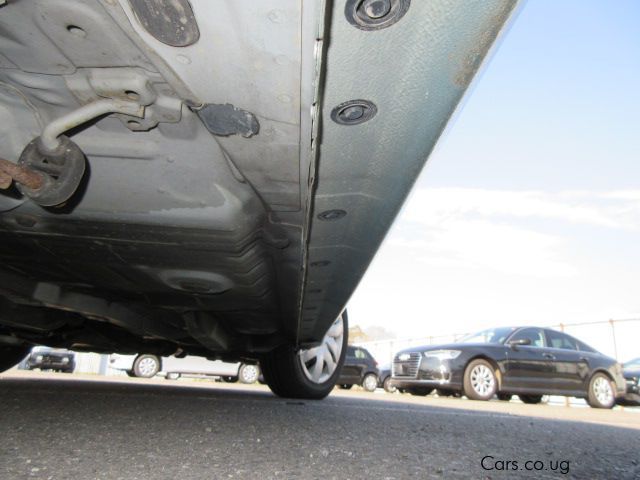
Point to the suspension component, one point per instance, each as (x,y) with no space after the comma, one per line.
(51,166)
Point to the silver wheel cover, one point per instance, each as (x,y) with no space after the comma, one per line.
(603,391)
(370,383)
(319,363)
(482,380)
(250,374)
(147,366)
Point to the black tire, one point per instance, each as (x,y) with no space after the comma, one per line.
(420,391)
(472,377)
(345,386)
(530,399)
(283,371)
(600,381)
(370,382)
(130,373)
(140,366)
(388,387)
(245,374)
(11,355)
(227,379)
(444,392)
(505,397)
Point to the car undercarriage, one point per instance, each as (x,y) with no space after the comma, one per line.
(214,177)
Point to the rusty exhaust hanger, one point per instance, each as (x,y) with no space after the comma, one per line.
(51,166)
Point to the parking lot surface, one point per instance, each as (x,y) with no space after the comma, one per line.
(57,426)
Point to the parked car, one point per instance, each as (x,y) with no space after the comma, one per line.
(527,361)
(384,379)
(147,365)
(631,372)
(149,205)
(45,358)
(360,368)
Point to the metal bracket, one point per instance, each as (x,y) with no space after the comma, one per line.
(161,103)
(49,141)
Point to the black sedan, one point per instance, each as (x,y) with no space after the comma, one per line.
(360,368)
(527,361)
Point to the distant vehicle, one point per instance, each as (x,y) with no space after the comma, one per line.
(631,372)
(147,366)
(360,368)
(54,359)
(528,361)
(384,379)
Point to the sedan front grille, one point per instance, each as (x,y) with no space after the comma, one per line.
(406,365)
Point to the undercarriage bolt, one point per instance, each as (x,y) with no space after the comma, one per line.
(352,113)
(376,8)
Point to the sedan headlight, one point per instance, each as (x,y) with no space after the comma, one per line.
(39,358)
(443,354)
(65,360)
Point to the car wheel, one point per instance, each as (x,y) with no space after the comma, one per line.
(345,386)
(480,381)
(11,355)
(530,399)
(601,392)
(388,387)
(146,366)
(370,382)
(249,373)
(420,391)
(505,397)
(308,373)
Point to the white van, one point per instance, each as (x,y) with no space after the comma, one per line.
(147,365)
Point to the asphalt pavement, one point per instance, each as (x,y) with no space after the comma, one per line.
(56,426)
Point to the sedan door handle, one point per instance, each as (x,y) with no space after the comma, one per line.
(550,356)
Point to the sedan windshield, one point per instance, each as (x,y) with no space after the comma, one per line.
(491,335)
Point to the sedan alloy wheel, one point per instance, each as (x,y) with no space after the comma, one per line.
(480,381)
(601,392)
(370,382)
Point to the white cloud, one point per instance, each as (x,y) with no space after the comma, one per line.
(496,229)
(619,209)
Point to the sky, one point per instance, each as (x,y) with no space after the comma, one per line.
(528,211)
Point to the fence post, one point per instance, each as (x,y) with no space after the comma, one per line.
(613,335)
(567,403)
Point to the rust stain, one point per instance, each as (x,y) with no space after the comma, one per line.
(21,175)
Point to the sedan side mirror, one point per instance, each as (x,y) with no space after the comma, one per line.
(521,341)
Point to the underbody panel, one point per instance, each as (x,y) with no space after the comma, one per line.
(230,200)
